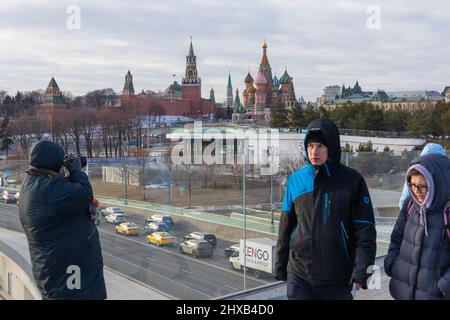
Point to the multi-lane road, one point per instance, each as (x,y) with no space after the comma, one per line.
(178,275)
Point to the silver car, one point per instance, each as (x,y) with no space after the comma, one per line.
(116,218)
(198,248)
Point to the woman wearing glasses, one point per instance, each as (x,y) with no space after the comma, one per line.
(418,260)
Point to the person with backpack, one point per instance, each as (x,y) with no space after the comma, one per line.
(418,260)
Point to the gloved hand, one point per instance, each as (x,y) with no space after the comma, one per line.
(75,164)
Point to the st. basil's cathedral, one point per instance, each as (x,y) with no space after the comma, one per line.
(263,93)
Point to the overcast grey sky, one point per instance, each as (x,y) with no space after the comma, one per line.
(321,42)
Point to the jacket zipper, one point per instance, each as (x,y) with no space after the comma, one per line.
(344,241)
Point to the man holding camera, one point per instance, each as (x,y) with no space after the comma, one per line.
(64,244)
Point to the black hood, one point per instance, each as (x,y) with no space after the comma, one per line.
(330,133)
(438,166)
(47,155)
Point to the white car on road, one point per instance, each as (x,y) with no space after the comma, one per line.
(116,218)
(107,211)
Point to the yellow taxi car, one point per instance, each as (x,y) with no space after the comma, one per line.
(128,229)
(160,238)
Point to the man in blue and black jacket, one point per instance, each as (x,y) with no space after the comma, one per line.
(327,236)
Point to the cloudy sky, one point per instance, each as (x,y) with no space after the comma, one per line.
(392,44)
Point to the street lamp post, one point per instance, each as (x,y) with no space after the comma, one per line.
(170,182)
(271,150)
(125,172)
(190,185)
(244,205)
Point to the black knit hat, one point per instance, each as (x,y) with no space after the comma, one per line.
(316,137)
(47,155)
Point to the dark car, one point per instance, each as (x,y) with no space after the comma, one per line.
(8,198)
(153,226)
(210,237)
(198,248)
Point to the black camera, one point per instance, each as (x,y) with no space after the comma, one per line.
(70,157)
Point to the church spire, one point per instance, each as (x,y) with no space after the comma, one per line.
(264,60)
(128,88)
(191,49)
(212,97)
(237,100)
(229,99)
(190,76)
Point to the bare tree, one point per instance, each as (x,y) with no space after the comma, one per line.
(60,131)
(88,127)
(26,128)
(75,125)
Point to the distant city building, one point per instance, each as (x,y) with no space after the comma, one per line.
(264,92)
(446,94)
(330,93)
(177,99)
(405,100)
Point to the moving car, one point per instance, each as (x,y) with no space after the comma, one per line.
(116,218)
(153,226)
(210,237)
(160,238)
(163,218)
(8,197)
(229,251)
(198,248)
(128,229)
(107,211)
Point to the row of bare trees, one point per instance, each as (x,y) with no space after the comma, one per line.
(104,129)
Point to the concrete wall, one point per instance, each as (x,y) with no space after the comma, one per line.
(16,280)
(115,175)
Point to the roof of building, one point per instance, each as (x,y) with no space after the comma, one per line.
(285,78)
(229,81)
(276,81)
(380,95)
(416,93)
(248,78)
(264,60)
(260,79)
(52,83)
(191,50)
(251,89)
(175,87)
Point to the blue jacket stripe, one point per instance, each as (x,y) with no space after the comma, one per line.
(328,170)
(363,221)
(344,241)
